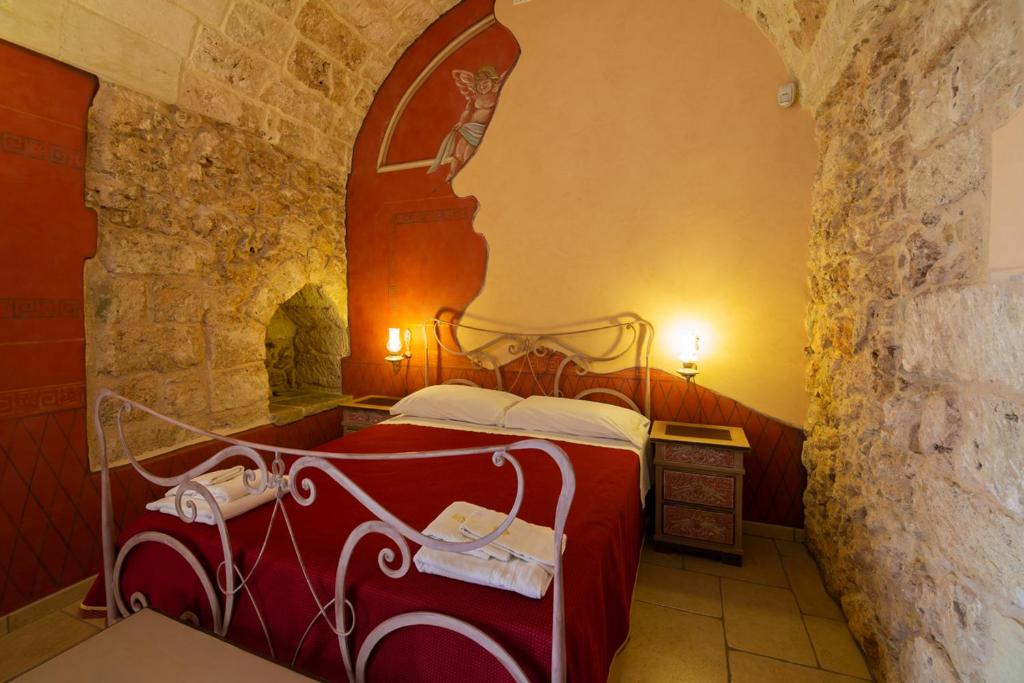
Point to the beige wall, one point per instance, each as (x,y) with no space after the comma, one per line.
(638,162)
(1006,234)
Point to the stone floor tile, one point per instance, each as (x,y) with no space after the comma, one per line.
(42,639)
(680,589)
(768,530)
(790,548)
(761,564)
(748,668)
(96,622)
(668,645)
(806,584)
(766,621)
(835,647)
(651,556)
(51,603)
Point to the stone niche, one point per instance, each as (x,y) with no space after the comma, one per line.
(304,343)
(205,230)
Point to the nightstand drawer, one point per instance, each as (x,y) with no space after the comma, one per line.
(703,489)
(700,525)
(356,417)
(694,454)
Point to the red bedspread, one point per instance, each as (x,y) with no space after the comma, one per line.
(604,536)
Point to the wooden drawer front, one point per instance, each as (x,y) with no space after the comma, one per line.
(692,454)
(701,525)
(703,489)
(364,418)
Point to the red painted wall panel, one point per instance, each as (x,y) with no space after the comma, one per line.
(411,244)
(46,233)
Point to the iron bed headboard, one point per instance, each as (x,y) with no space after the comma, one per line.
(634,336)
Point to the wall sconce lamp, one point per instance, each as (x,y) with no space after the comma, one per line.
(399,347)
(688,356)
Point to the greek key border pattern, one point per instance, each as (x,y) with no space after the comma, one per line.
(34,309)
(35,400)
(41,150)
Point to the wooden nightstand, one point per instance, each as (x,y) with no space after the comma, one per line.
(365,411)
(698,480)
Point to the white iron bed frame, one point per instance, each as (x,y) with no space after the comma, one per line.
(634,335)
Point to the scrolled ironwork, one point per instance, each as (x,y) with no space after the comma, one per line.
(634,335)
(394,562)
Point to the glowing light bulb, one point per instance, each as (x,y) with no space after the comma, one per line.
(691,350)
(688,355)
(394,345)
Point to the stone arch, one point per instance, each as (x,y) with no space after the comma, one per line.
(304,342)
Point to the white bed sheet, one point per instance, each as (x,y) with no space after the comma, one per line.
(640,451)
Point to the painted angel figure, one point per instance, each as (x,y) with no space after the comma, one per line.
(481,92)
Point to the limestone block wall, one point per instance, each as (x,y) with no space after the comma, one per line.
(305,341)
(915,447)
(298,73)
(204,230)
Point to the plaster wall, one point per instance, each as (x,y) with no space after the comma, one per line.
(659,177)
(1006,236)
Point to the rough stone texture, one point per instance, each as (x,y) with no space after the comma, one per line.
(915,450)
(304,341)
(205,229)
(815,38)
(299,73)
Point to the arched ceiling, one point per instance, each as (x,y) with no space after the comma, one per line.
(302,73)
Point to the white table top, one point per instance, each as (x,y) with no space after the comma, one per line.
(147,646)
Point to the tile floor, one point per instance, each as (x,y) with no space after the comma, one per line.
(694,619)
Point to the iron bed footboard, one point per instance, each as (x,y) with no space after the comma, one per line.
(228,580)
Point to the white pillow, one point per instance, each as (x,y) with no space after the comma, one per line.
(457,402)
(577,417)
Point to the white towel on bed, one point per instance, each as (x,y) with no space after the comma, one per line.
(529,542)
(228,510)
(224,485)
(525,578)
(445,527)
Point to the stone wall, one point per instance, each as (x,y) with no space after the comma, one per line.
(915,451)
(306,339)
(298,73)
(204,230)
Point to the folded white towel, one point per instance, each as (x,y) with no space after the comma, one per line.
(445,527)
(525,578)
(224,485)
(526,541)
(228,510)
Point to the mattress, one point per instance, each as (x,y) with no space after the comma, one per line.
(604,531)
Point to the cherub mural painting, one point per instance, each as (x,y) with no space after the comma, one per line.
(481,93)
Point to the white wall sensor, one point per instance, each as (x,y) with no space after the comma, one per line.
(787,95)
